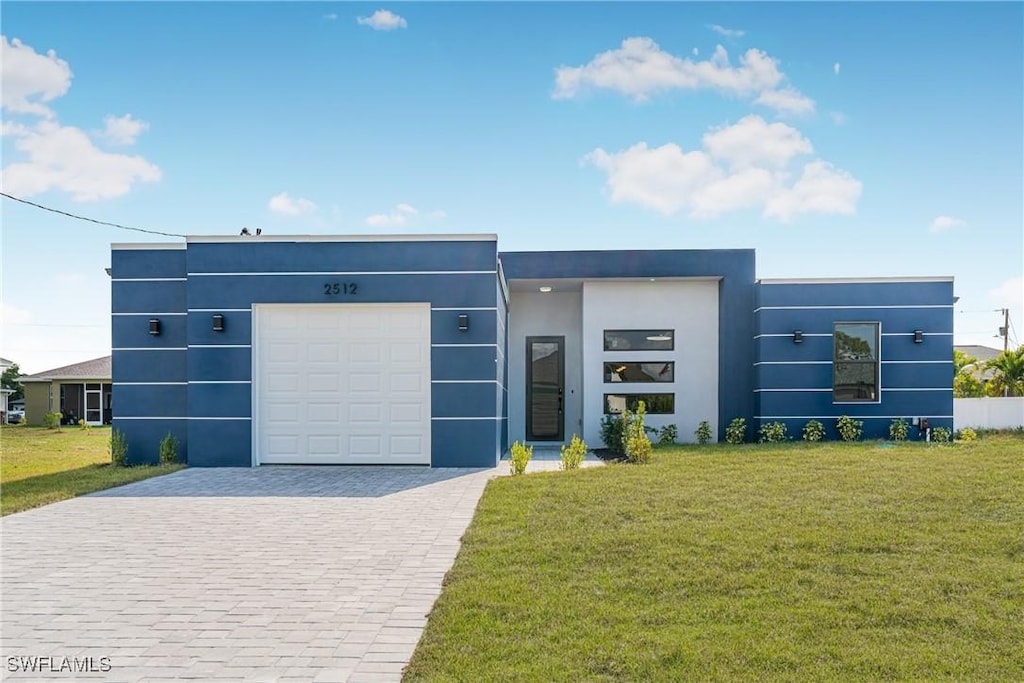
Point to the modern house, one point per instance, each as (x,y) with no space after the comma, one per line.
(440,350)
(79,391)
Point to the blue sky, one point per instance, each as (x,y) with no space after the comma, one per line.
(857,139)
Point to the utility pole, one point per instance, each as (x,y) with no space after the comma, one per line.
(1004,331)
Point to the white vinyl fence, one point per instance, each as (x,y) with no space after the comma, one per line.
(988,413)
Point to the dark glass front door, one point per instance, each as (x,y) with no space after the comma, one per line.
(545,388)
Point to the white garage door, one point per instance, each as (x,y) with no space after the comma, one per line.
(342,384)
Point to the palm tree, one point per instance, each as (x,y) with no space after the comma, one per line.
(1008,372)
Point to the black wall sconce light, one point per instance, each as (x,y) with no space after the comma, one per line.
(154,326)
(463,322)
(218,322)
(918,336)
(798,336)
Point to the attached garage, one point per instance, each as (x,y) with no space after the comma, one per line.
(341,384)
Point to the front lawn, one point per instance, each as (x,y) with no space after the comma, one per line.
(793,562)
(40,466)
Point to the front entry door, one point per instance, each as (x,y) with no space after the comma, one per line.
(545,388)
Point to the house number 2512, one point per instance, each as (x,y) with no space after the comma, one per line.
(336,288)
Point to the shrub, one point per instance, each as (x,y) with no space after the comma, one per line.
(772,432)
(967,435)
(118,448)
(703,432)
(898,429)
(941,435)
(668,435)
(86,427)
(637,445)
(52,420)
(849,429)
(814,431)
(736,432)
(574,453)
(611,433)
(520,458)
(168,450)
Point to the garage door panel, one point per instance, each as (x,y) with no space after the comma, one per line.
(343,383)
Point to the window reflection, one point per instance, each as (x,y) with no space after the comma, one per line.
(639,340)
(640,372)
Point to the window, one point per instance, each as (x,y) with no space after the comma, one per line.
(656,404)
(855,362)
(640,372)
(639,340)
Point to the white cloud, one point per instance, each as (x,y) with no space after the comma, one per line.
(640,68)
(383,20)
(1010,294)
(65,158)
(821,188)
(288,206)
(30,79)
(835,68)
(943,223)
(747,165)
(122,130)
(398,216)
(727,32)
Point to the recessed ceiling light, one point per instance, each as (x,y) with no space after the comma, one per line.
(545,289)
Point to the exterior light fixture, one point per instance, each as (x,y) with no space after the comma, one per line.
(918,336)
(218,322)
(463,322)
(545,289)
(663,337)
(798,336)
(154,327)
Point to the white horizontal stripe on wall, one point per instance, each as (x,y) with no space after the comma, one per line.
(919,362)
(793,362)
(350,273)
(456,345)
(197,417)
(464,381)
(130,417)
(220,310)
(150,348)
(147,384)
(149,279)
(830,308)
(220,346)
(219,381)
(464,308)
(467,418)
(760,390)
(150,315)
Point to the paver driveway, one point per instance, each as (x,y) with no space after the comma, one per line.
(286,573)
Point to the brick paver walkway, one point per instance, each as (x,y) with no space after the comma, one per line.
(267,574)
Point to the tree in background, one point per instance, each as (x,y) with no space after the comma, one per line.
(966,383)
(9,380)
(1007,373)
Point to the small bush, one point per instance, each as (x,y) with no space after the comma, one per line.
(52,420)
(668,435)
(941,435)
(168,450)
(772,432)
(637,445)
(118,448)
(849,429)
(967,435)
(574,453)
(703,432)
(814,431)
(736,432)
(520,458)
(899,429)
(611,433)
(86,427)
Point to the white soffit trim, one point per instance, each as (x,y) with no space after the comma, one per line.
(146,246)
(852,280)
(249,239)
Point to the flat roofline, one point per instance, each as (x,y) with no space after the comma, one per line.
(145,246)
(250,239)
(852,280)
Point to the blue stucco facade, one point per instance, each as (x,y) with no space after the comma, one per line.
(196,383)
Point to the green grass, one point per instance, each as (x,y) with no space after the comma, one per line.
(40,466)
(789,562)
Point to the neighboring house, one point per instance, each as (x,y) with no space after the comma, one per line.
(79,391)
(440,350)
(5,394)
(983,354)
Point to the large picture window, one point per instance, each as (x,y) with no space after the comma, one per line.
(639,340)
(640,372)
(855,362)
(655,404)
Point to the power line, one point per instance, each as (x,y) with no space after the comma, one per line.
(90,220)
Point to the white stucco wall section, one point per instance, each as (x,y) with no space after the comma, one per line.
(690,307)
(536,314)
